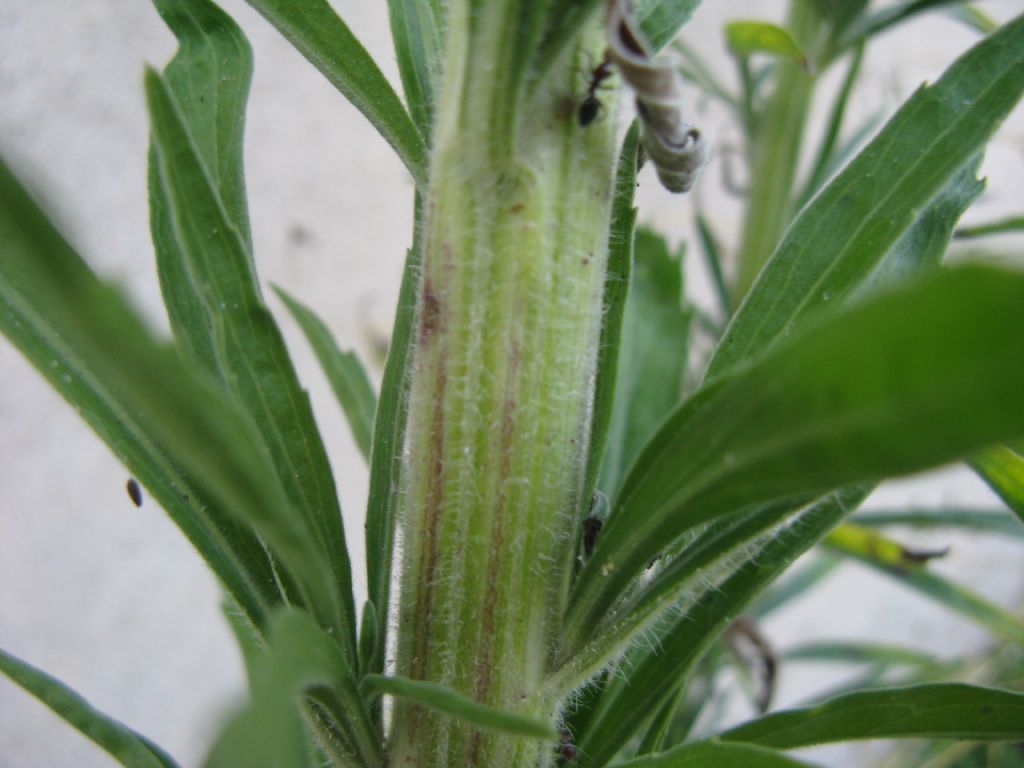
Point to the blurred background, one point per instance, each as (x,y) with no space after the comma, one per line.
(110,598)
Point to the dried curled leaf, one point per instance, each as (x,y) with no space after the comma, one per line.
(676,148)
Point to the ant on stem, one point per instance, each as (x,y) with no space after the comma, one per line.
(591,106)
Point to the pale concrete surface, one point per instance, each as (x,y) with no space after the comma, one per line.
(110,598)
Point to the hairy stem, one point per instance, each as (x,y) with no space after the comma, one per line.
(509,314)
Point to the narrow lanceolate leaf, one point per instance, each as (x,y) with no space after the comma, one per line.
(695,566)
(652,355)
(841,16)
(345,372)
(922,247)
(689,569)
(1002,226)
(417,29)
(449,701)
(908,379)
(250,353)
(190,323)
(388,443)
(368,623)
(319,34)
(661,20)
(250,640)
(674,648)
(125,745)
(209,76)
(745,38)
(838,240)
(713,257)
(827,152)
(973,17)
(794,585)
(994,521)
(621,236)
(697,71)
(942,711)
(1003,469)
(184,441)
(303,672)
(716,754)
(859,653)
(660,728)
(874,23)
(905,566)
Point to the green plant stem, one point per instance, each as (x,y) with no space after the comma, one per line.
(508,320)
(775,154)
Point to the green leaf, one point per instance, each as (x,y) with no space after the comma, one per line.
(859,653)
(319,34)
(842,153)
(774,124)
(1003,469)
(696,70)
(250,640)
(685,566)
(942,711)
(302,661)
(251,356)
(908,379)
(660,727)
(348,378)
(840,237)
(440,698)
(980,520)
(368,624)
(794,585)
(746,38)
(973,17)
(871,24)
(621,244)
(125,745)
(1009,224)
(661,20)
(888,557)
(388,443)
(417,29)
(673,649)
(652,356)
(840,15)
(687,569)
(210,76)
(827,152)
(179,436)
(923,245)
(719,754)
(189,321)
(697,698)
(713,258)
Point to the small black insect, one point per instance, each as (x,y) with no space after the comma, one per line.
(591,106)
(134,491)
